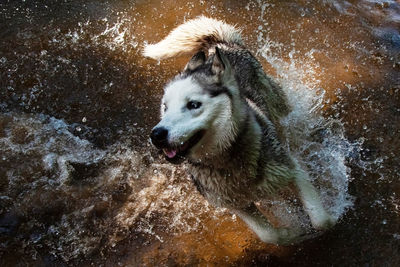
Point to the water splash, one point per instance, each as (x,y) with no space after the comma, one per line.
(317,142)
(85,190)
(61,195)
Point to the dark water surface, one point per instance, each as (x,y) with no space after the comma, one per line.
(80,184)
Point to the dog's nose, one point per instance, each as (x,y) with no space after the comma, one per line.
(159,136)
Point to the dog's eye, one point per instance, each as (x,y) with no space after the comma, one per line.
(193,105)
(164,106)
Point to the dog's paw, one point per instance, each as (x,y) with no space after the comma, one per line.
(324,223)
(288,236)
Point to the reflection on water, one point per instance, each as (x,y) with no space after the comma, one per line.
(80,182)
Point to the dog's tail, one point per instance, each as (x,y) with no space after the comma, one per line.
(193,36)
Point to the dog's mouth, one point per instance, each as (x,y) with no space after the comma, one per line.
(179,152)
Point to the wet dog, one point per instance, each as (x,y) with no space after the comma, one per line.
(221,115)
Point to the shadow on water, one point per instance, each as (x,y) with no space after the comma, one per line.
(80,183)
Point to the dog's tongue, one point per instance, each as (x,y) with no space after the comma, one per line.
(170,153)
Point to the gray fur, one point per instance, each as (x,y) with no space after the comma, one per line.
(253,163)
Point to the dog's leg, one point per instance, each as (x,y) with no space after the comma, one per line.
(320,218)
(264,230)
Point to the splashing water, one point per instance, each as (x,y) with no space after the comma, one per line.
(127,188)
(317,142)
(118,186)
(79,179)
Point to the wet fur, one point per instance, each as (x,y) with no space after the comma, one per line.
(241,158)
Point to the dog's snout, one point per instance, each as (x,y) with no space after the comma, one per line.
(159,136)
(159,133)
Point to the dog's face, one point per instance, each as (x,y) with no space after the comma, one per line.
(197,116)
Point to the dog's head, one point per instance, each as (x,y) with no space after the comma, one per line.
(200,110)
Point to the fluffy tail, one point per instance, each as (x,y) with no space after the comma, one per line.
(193,36)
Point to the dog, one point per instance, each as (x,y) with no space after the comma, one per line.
(221,115)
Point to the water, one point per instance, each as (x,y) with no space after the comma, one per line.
(81,184)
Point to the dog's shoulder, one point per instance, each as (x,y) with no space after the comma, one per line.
(255,84)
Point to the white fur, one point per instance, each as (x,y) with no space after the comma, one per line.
(214,116)
(188,38)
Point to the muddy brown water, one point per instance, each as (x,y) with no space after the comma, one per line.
(80,184)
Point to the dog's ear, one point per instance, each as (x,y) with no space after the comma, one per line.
(221,66)
(197,60)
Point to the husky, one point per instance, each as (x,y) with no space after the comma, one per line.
(221,115)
